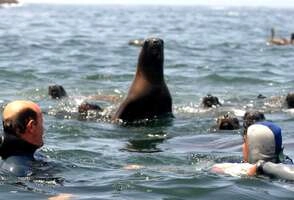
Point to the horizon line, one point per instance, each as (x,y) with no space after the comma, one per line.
(159,3)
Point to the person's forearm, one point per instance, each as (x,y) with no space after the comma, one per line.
(280,170)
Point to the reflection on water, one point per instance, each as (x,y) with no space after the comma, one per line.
(146,145)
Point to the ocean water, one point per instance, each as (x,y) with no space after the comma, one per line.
(208,50)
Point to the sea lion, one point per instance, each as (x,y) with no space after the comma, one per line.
(56,91)
(227,122)
(148,96)
(261,96)
(89,110)
(210,101)
(280,41)
(87,106)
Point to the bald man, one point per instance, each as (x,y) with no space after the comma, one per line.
(23,135)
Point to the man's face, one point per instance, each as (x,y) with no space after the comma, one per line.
(34,130)
(39,131)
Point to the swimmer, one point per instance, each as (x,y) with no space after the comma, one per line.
(23,135)
(280,41)
(63,196)
(251,117)
(9,2)
(262,142)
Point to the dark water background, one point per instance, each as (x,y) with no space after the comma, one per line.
(221,51)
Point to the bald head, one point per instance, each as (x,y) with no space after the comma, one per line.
(24,119)
(12,109)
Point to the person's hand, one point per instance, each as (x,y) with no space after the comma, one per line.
(133,167)
(256,169)
(259,166)
(217,169)
(61,197)
(252,170)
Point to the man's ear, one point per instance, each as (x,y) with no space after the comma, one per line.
(30,125)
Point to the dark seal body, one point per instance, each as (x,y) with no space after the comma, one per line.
(148,96)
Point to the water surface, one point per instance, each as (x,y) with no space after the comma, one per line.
(208,50)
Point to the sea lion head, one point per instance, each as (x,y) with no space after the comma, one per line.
(210,101)
(227,122)
(86,106)
(56,91)
(151,58)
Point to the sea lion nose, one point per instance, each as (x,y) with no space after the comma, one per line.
(155,42)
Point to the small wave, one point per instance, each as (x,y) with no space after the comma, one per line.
(216,78)
(112,76)
(147,145)
(291,111)
(192,108)
(233,14)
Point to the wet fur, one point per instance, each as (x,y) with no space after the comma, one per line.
(148,95)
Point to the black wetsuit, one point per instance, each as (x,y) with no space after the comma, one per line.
(17,155)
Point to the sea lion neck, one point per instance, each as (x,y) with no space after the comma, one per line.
(151,75)
(150,62)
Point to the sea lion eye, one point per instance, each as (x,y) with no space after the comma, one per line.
(146,43)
